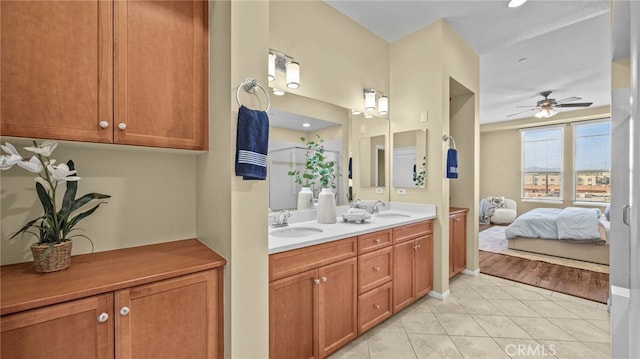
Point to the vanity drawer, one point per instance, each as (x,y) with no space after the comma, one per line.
(372,241)
(374,307)
(287,263)
(374,269)
(412,231)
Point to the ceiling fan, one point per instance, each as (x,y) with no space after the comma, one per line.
(546,106)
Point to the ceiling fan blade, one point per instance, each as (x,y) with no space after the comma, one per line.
(517,113)
(528,106)
(576,104)
(569,99)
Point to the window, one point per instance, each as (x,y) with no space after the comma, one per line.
(592,162)
(542,164)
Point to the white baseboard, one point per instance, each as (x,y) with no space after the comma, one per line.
(473,273)
(440,296)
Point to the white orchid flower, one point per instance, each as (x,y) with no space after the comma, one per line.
(11,158)
(33,165)
(61,173)
(45,149)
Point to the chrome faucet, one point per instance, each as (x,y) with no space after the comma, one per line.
(280,220)
(374,208)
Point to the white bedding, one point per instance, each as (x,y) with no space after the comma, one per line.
(571,223)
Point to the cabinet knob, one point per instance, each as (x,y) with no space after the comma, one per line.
(124,311)
(324,279)
(418,246)
(316,281)
(376,241)
(103,317)
(376,269)
(122,126)
(104,124)
(377,306)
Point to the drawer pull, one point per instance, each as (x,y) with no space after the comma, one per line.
(376,241)
(122,126)
(376,269)
(377,306)
(324,279)
(124,311)
(316,281)
(103,317)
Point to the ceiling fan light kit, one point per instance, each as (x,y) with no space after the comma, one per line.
(546,106)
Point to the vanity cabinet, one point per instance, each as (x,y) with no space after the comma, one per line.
(125,72)
(162,300)
(457,240)
(375,269)
(313,297)
(412,263)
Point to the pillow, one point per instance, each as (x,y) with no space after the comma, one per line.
(607,212)
(498,202)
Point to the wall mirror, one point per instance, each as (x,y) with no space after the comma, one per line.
(373,162)
(290,118)
(409,159)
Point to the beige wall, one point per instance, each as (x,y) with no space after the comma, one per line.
(421,65)
(501,151)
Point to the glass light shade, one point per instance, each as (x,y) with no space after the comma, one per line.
(366,115)
(278,92)
(545,113)
(272,67)
(293,75)
(355,112)
(370,101)
(383,105)
(516,3)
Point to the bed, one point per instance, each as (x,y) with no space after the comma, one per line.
(572,232)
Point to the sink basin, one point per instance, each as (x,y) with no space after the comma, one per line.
(392,215)
(293,232)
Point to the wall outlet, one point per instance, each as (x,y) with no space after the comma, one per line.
(424,116)
(401,191)
(379,190)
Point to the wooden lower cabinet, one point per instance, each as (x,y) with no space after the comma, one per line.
(457,240)
(412,264)
(374,307)
(313,313)
(177,317)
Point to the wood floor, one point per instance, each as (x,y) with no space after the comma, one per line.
(573,281)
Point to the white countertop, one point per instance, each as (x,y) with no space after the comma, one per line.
(340,229)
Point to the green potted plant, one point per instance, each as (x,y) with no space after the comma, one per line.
(55,228)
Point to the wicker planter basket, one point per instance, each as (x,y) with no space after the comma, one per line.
(59,257)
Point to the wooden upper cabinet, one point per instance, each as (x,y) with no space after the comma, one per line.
(126,72)
(161,73)
(57,69)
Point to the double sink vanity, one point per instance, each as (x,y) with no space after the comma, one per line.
(330,283)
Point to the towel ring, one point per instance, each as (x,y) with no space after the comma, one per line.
(250,85)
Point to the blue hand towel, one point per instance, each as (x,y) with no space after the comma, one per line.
(252,144)
(452,163)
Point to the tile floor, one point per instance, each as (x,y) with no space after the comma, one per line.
(489,317)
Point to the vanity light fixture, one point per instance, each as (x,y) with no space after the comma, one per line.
(278,92)
(283,63)
(516,3)
(272,67)
(370,98)
(355,112)
(293,75)
(367,115)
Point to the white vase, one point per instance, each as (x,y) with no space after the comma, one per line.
(326,206)
(305,198)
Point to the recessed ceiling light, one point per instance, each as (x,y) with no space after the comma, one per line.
(278,92)
(306,124)
(516,3)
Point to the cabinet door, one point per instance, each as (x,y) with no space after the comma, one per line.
(161,73)
(174,318)
(452,246)
(57,69)
(403,275)
(424,265)
(460,243)
(338,305)
(293,316)
(68,330)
